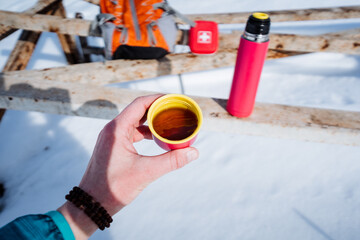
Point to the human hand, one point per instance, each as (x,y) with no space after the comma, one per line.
(116,173)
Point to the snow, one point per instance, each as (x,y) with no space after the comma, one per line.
(241,187)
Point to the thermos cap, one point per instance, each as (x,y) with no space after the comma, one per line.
(258,23)
(260,15)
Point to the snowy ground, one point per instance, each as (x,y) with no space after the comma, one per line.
(244,188)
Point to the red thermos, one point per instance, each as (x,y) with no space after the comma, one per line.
(249,63)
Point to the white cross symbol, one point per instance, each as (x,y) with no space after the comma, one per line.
(204,37)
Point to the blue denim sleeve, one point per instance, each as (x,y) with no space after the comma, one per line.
(50,226)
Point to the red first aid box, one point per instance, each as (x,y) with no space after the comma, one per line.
(203,38)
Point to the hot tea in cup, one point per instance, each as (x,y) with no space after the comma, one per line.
(174,121)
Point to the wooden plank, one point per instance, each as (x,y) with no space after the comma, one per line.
(68,42)
(291,42)
(82,73)
(42,6)
(22,51)
(278,16)
(79,27)
(21,55)
(26,43)
(270,120)
(347,34)
(285,42)
(45,23)
(285,15)
(100,73)
(344,42)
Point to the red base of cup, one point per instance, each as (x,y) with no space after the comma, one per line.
(168,146)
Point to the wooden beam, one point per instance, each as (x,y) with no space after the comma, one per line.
(68,42)
(22,51)
(346,42)
(79,27)
(45,23)
(84,72)
(271,120)
(291,42)
(285,15)
(100,73)
(275,54)
(346,34)
(21,55)
(286,42)
(278,16)
(42,6)
(24,48)
(26,43)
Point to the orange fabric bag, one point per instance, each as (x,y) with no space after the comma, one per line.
(138,26)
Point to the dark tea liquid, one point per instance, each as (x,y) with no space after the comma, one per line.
(175,123)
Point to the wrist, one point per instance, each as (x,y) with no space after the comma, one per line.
(105,199)
(81,225)
(84,213)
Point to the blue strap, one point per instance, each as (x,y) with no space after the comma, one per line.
(62,224)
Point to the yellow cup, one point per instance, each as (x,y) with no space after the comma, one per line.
(174,101)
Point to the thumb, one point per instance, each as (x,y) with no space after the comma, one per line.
(170,161)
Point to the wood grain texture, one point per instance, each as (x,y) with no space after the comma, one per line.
(286,42)
(271,120)
(285,15)
(25,46)
(41,7)
(278,16)
(68,42)
(44,23)
(115,71)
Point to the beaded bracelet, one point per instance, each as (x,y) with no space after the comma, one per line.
(92,209)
